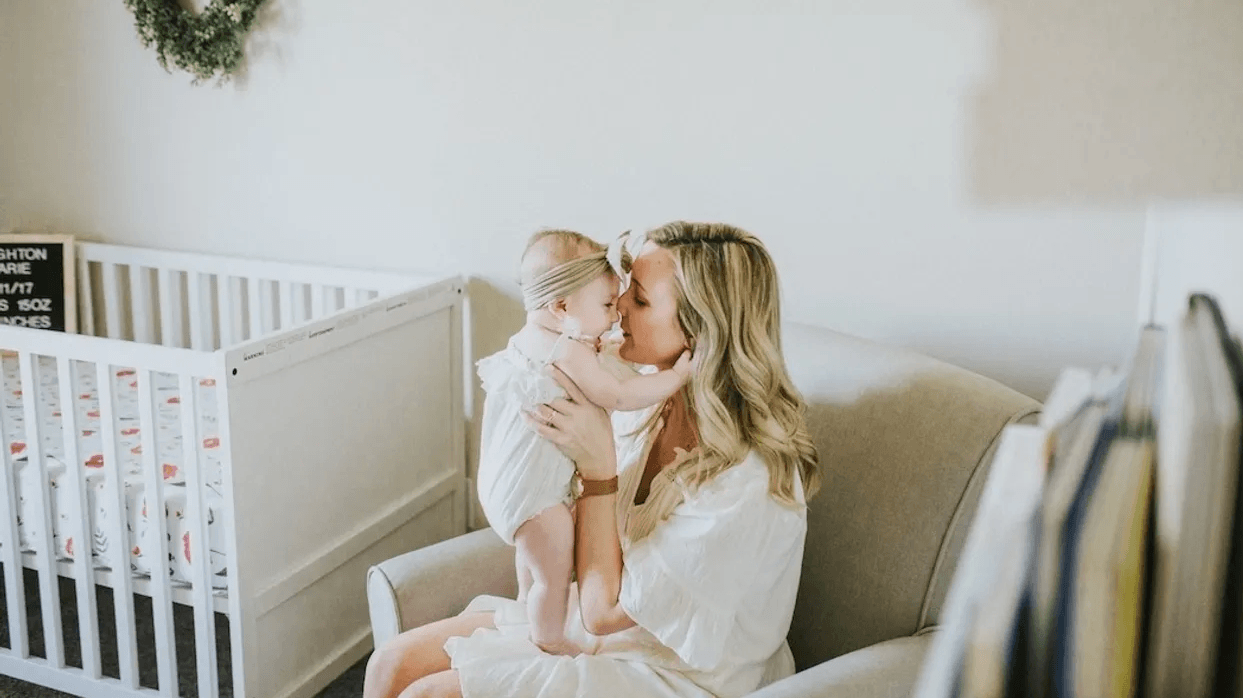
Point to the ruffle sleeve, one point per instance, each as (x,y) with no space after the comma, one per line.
(500,374)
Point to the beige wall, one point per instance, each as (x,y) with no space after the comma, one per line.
(965,177)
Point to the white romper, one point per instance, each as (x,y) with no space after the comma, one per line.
(520,472)
(710,578)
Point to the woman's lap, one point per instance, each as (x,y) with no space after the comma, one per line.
(417,653)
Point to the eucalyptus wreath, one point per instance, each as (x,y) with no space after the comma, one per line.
(203,44)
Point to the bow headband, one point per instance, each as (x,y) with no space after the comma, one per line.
(564,279)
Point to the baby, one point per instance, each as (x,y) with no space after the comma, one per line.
(570,285)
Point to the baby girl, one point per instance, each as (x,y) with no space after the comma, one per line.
(570,285)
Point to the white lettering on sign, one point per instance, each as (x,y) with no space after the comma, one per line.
(15,268)
(14,287)
(39,322)
(34,305)
(23,254)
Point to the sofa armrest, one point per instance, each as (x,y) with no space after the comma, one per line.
(885,670)
(436,582)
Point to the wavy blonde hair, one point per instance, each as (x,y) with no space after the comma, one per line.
(741,397)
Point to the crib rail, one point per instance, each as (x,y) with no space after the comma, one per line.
(207,303)
(102,490)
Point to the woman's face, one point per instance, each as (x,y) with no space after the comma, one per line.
(649,310)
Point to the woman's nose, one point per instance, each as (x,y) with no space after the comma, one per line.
(623,304)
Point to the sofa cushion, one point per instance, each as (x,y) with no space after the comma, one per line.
(901,436)
(884,670)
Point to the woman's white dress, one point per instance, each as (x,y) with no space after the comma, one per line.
(709,578)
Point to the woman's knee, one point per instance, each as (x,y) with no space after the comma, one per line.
(392,667)
(417,653)
(444,684)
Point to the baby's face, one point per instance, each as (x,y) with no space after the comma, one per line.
(594,306)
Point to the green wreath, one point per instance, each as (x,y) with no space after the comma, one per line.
(203,44)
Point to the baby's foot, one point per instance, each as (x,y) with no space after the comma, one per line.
(564,647)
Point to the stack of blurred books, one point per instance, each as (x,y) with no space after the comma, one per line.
(1106,556)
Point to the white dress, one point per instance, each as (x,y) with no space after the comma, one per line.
(710,579)
(520,472)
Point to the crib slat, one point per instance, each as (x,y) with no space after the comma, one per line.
(140,304)
(286,303)
(14,582)
(178,307)
(200,329)
(299,303)
(254,308)
(45,554)
(170,336)
(114,494)
(318,296)
(267,296)
(112,301)
(224,299)
(170,307)
(83,566)
(161,592)
(200,547)
(227,520)
(86,303)
(237,319)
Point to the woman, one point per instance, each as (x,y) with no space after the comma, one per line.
(690,529)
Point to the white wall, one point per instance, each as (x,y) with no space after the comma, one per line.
(876,145)
(1193,248)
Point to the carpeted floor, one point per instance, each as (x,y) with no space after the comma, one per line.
(348,685)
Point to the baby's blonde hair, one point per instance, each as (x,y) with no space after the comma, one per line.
(551,248)
(742,397)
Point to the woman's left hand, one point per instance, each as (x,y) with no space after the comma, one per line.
(579,428)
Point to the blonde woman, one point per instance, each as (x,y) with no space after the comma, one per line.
(690,528)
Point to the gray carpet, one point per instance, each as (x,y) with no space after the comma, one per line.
(348,685)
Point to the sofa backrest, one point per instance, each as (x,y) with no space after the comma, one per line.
(904,443)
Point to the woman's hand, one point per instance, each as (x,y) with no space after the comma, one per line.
(686,365)
(580,429)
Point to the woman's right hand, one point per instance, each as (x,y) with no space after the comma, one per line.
(685,365)
(578,428)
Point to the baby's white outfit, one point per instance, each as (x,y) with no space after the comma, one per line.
(520,472)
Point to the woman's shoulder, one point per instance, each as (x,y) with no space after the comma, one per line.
(744,486)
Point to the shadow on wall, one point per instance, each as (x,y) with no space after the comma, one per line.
(1109,102)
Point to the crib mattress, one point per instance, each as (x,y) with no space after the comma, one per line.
(168,439)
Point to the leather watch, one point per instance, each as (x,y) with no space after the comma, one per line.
(589,488)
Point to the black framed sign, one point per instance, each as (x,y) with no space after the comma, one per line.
(37,282)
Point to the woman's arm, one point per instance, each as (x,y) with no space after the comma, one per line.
(598,562)
(610,392)
(584,433)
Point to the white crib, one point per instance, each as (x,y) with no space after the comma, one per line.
(313,418)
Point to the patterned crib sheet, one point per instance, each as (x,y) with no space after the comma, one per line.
(128,430)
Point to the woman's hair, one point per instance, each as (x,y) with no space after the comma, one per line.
(741,396)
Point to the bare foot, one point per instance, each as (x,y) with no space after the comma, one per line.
(563,647)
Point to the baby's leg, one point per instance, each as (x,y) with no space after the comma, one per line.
(523,568)
(546,543)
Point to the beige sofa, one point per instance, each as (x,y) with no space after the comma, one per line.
(905,442)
